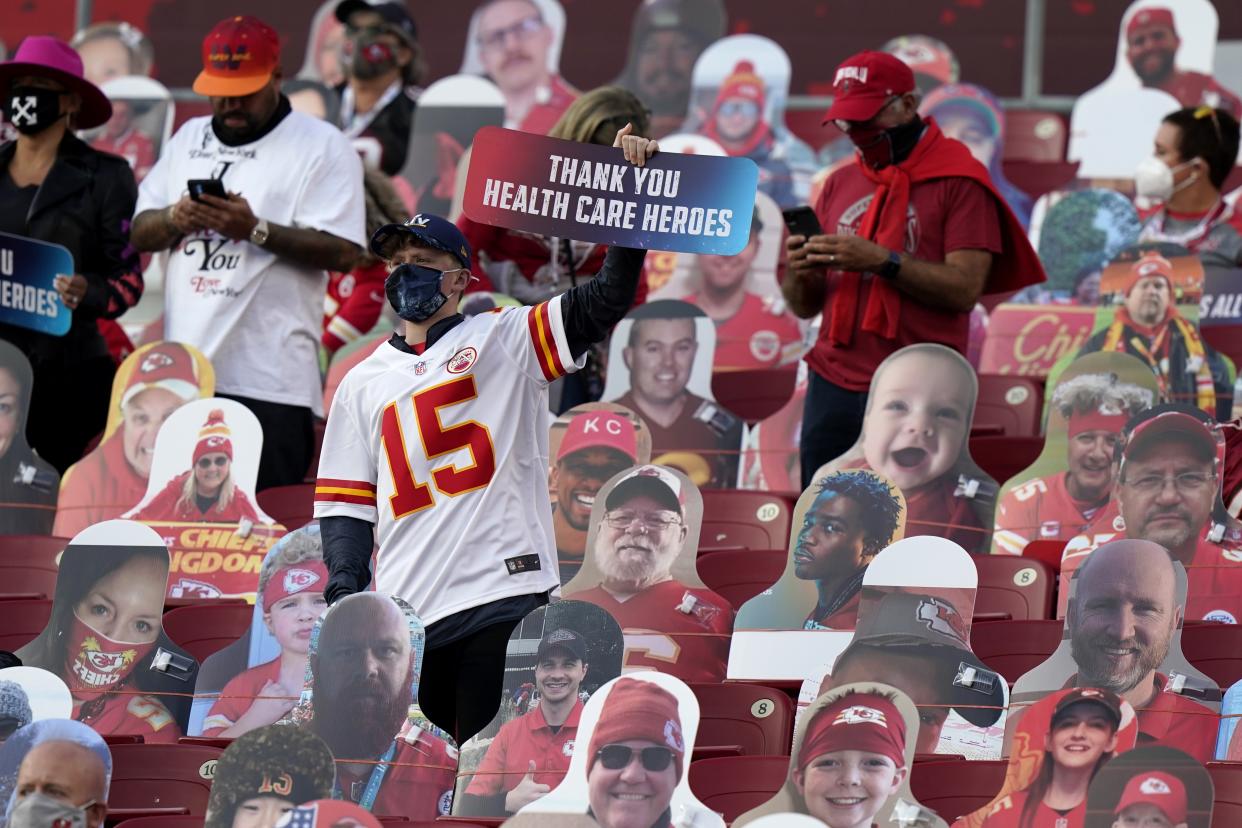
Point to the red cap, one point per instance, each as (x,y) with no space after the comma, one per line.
(599,429)
(1150,264)
(167,365)
(856,721)
(742,83)
(213,438)
(1164,790)
(641,710)
(864,82)
(239,56)
(294,580)
(1146,18)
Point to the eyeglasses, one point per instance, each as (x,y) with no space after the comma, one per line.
(731,108)
(208,462)
(617,757)
(1185,483)
(865,126)
(521,30)
(650,521)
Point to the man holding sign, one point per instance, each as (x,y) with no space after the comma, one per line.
(437,444)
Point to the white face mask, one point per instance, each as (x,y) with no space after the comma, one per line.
(1153,179)
(39,810)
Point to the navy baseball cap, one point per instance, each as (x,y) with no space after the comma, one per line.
(392,13)
(430,230)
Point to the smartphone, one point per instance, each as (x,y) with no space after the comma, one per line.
(801,221)
(210,186)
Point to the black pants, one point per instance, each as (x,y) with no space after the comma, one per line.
(463,680)
(68,408)
(831,422)
(288,441)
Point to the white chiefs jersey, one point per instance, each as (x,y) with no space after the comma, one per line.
(447,453)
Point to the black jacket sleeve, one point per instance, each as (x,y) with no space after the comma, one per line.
(592,309)
(347,545)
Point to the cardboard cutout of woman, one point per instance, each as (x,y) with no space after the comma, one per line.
(105,638)
(852,754)
(28,483)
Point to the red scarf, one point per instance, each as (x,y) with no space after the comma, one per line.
(935,156)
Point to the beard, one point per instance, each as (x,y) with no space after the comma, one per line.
(1095,669)
(1155,71)
(1171,539)
(234,134)
(631,560)
(361,719)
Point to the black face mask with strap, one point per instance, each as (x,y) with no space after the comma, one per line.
(883,147)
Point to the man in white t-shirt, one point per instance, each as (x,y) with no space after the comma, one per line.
(246,273)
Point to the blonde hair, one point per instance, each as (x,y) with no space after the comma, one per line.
(293,548)
(189,490)
(598,108)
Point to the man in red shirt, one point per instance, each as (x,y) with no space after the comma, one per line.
(514,41)
(680,630)
(1151,48)
(1095,408)
(364,671)
(530,755)
(752,331)
(913,234)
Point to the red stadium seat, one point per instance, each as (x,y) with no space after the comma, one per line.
(1227,783)
(1013,405)
(153,778)
(202,629)
(732,785)
(28,566)
(754,395)
(740,519)
(1216,649)
(1034,135)
(954,789)
(743,719)
(170,821)
(21,621)
(1011,648)
(1002,457)
(1047,552)
(1020,588)
(291,506)
(740,574)
(1039,177)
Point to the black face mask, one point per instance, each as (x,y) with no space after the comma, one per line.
(882,147)
(372,56)
(31,110)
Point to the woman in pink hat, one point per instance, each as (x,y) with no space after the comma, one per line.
(55,188)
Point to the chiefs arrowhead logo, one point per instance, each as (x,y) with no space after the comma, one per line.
(154,362)
(461,361)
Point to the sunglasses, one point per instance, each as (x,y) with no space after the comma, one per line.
(617,757)
(208,462)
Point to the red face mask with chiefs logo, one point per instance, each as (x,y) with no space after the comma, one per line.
(95,664)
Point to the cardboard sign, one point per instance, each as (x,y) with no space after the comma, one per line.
(1027,340)
(1177,705)
(579,191)
(28,297)
(862,730)
(1221,304)
(646,707)
(1154,785)
(557,658)
(105,638)
(640,567)
(282,766)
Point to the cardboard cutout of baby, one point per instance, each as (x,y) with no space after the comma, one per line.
(589,444)
(864,732)
(1122,633)
(1062,743)
(660,367)
(28,483)
(257,679)
(740,294)
(643,541)
(152,383)
(916,433)
(266,773)
(1151,786)
(738,94)
(1229,740)
(841,523)
(1150,309)
(636,730)
(1060,494)
(557,658)
(105,638)
(666,38)
(361,699)
(200,499)
(73,741)
(1187,518)
(29,694)
(517,45)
